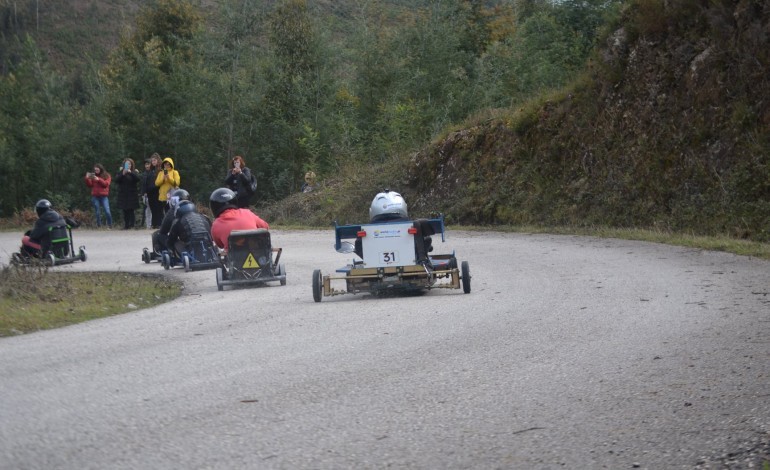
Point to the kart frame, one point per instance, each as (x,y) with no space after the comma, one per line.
(442,271)
(251,260)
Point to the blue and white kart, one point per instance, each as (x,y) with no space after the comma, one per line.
(389,262)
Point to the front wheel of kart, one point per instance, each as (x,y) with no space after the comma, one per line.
(220,286)
(466,277)
(50,259)
(83,254)
(282,272)
(166,261)
(146,255)
(186,260)
(317,285)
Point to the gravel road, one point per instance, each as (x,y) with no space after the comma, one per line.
(570,352)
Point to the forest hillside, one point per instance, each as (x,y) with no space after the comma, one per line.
(669,129)
(636,113)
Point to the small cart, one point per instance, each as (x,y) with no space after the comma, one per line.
(250,260)
(390,260)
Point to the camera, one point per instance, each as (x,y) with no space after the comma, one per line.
(127,166)
(165,172)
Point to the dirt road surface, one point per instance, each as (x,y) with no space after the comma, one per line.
(570,352)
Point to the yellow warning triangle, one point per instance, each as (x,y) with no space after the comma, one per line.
(250,262)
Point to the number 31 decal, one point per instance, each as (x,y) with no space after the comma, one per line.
(389,257)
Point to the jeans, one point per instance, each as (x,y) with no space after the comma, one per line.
(102,202)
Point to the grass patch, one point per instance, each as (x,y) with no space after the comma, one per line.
(33,298)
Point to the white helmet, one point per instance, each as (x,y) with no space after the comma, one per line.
(387,205)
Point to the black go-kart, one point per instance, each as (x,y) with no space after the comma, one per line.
(57,249)
(250,260)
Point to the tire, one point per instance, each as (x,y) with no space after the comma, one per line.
(50,259)
(466,277)
(317,285)
(16,259)
(166,260)
(453,263)
(220,286)
(146,255)
(83,254)
(282,271)
(186,260)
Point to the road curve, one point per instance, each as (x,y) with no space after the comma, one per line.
(570,351)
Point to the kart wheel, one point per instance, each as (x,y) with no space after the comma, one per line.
(453,263)
(146,255)
(317,285)
(186,260)
(282,272)
(16,259)
(83,254)
(50,259)
(166,261)
(466,277)
(220,286)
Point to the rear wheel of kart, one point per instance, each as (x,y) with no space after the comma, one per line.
(220,286)
(282,272)
(146,255)
(51,259)
(83,254)
(452,263)
(166,261)
(16,259)
(317,285)
(186,260)
(466,277)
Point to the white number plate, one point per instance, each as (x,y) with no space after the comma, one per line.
(389,257)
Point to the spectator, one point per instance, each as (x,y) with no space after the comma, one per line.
(166,180)
(150,192)
(99,182)
(241,181)
(229,217)
(127,179)
(309,184)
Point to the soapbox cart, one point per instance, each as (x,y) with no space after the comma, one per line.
(57,249)
(390,260)
(250,261)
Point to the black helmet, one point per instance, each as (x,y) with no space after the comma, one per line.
(42,206)
(221,199)
(175,196)
(184,207)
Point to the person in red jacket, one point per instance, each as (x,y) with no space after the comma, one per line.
(99,182)
(229,217)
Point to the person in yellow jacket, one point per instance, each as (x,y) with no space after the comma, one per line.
(166,180)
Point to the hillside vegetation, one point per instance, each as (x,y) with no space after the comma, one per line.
(669,129)
(498,112)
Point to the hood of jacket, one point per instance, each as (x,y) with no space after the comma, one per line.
(168,159)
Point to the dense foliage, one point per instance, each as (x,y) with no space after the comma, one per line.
(289,86)
(669,129)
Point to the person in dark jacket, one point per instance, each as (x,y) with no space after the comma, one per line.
(152,191)
(160,236)
(188,224)
(35,241)
(127,178)
(241,181)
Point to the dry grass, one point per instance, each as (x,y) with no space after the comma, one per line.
(33,298)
